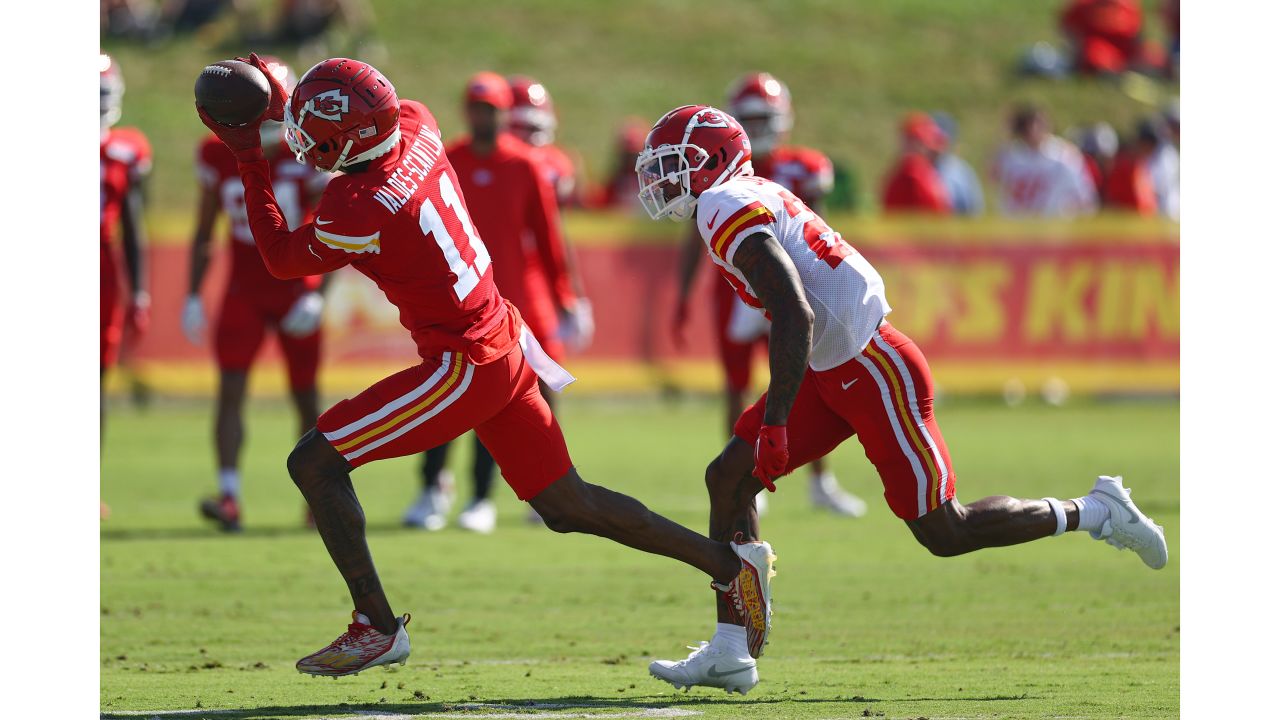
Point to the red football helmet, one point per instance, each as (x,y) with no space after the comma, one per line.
(272,131)
(343,112)
(533,118)
(112,90)
(763,105)
(690,150)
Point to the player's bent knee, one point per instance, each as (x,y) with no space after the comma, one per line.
(562,503)
(313,458)
(943,531)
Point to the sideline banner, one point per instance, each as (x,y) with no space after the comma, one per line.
(1100,314)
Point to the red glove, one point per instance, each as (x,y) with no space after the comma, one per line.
(678,322)
(245,141)
(771,455)
(137,316)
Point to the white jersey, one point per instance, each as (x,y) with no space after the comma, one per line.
(843,289)
(1051,180)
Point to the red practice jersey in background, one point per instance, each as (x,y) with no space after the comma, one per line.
(559,170)
(404,225)
(294,186)
(124,159)
(514,208)
(807,173)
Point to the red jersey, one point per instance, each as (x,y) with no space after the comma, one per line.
(805,172)
(404,225)
(915,186)
(125,160)
(559,170)
(515,211)
(293,184)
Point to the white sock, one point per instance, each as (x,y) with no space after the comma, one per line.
(229,481)
(1060,513)
(1093,512)
(732,638)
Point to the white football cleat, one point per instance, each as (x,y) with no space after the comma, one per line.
(826,494)
(1128,528)
(358,649)
(429,512)
(708,666)
(480,516)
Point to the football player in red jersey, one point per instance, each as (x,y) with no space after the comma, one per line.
(396,216)
(837,369)
(125,162)
(254,302)
(512,201)
(763,105)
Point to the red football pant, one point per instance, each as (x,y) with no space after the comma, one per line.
(885,397)
(428,405)
(243,322)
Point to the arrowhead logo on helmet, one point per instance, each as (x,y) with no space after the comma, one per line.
(331,105)
(689,151)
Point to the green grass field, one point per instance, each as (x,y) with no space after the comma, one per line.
(528,623)
(853,68)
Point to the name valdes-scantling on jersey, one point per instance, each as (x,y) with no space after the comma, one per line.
(418,160)
(843,289)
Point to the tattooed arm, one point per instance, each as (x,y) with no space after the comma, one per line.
(773,278)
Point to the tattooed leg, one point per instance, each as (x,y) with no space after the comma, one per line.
(323,477)
(733,501)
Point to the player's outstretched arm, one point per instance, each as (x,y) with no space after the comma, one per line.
(773,278)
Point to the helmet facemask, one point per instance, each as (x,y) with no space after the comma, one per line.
(661,169)
(301,143)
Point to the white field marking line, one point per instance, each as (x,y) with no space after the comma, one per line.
(464,710)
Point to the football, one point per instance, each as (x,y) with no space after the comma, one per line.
(233,92)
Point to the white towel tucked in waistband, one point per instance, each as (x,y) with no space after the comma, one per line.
(549,370)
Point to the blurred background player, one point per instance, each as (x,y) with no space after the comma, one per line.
(1039,173)
(125,161)
(763,105)
(254,302)
(617,192)
(964,189)
(533,120)
(514,207)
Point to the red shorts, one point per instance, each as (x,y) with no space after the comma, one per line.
(735,357)
(111,309)
(243,322)
(428,405)
(885,397)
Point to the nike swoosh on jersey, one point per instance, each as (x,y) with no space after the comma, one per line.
(712,222)
(1133,517)
(322,222)
(845,386)
(715,671)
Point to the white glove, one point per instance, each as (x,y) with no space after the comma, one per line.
(579,326)
(304,317)
(193,320)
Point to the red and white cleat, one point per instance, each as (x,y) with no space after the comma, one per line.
(359,648)
(750,594)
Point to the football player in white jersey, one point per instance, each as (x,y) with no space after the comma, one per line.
(837,368)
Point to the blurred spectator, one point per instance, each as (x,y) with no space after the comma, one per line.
(1098,143)
(1105,35)
(328,28)
(126,18)
(914,185)
(1161,158)
(1171,10)
(958,176)
(1172,120)
(1039,173)
(1128,186)
(620,189)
